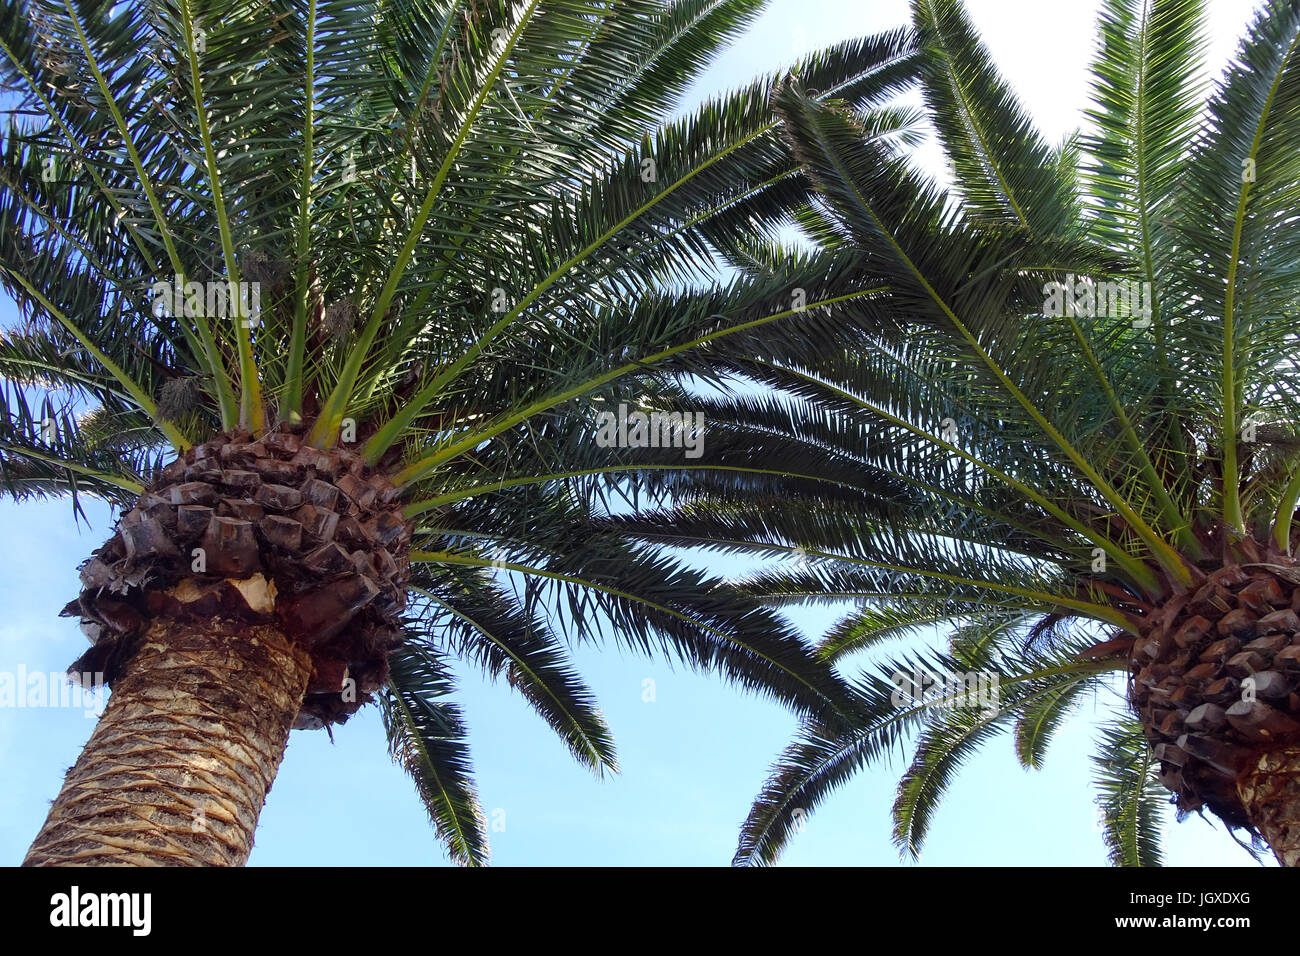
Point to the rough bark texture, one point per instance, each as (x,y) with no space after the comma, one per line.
(322,528)
(177,769)
(1216,681)
(256,586)
(1270,793)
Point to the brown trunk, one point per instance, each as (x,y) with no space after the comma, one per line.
(177,769)
(1216,682)
(1270,792)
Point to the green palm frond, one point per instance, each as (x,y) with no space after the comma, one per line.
(1068,397)
(1003,170)
(891,707)
(1130,796)
(1235,255)
(468,224)
(427,737)
(480,622)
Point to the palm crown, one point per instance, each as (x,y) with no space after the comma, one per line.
(466,223)
(1063,430)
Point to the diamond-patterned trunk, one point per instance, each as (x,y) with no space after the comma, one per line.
(1215,674)
(263,567)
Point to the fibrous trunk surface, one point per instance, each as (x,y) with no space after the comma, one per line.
(179,764)
(1270,793)
(256,586)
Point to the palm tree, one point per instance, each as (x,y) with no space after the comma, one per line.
(325,297)
(1066,432)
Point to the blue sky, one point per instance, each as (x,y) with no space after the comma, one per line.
(693,757)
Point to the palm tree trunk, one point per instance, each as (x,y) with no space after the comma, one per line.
(177,769)
(1270,792)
